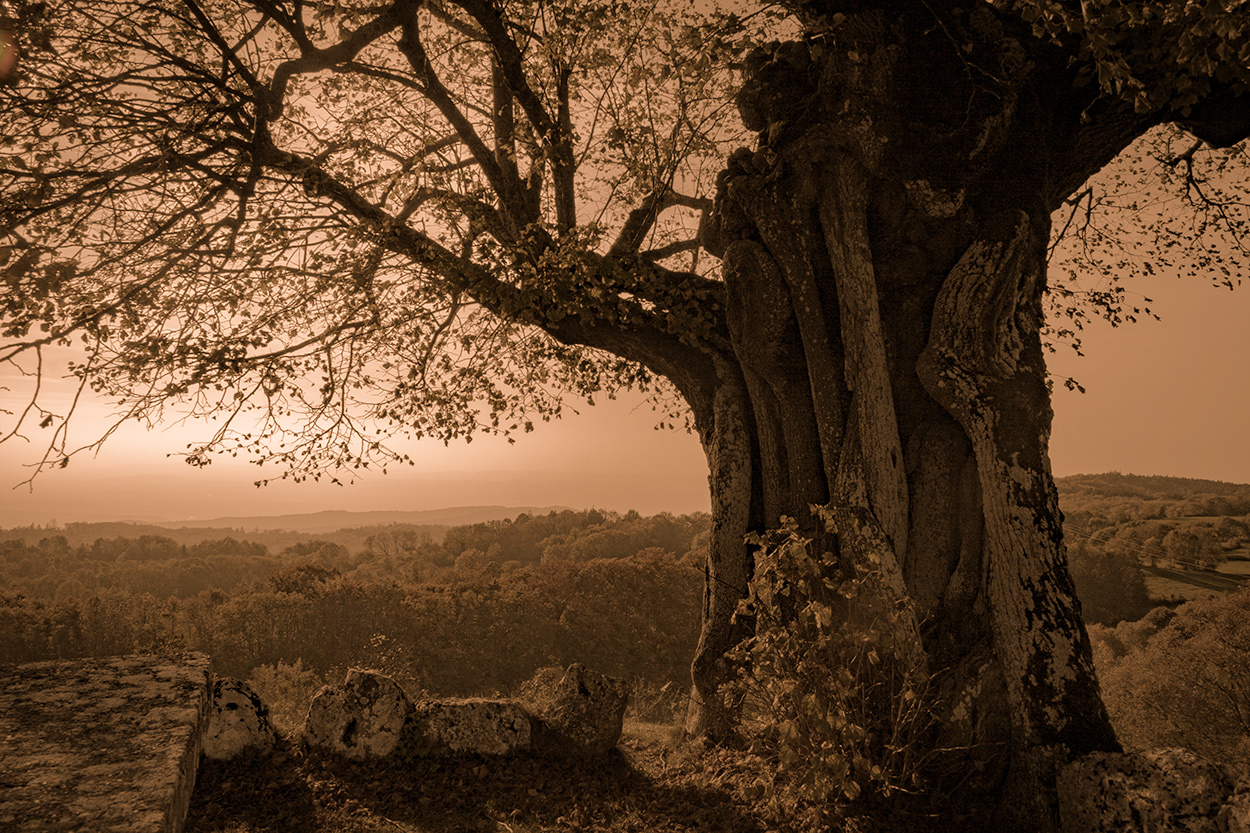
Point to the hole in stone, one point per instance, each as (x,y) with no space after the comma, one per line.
(349,732)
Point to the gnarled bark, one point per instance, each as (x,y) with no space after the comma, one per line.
(884,260)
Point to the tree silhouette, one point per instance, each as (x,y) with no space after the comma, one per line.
(439,217)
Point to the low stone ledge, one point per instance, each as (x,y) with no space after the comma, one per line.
(574,711)
(1155,791)
(472,726)
(107,745)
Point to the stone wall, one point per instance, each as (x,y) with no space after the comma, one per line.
(107,745)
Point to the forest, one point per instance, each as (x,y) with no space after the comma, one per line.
(1134,539)
(477,608)
(1161,567)
(467,610)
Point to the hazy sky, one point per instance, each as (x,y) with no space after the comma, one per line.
(1164,397)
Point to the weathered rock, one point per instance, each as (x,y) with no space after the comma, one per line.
(1159,791)
(364,718)
(1234,816)
(581,710)
(474,726)
(238,723)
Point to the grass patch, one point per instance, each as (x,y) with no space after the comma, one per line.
(660,736)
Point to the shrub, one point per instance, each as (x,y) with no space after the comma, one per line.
(830,687)
(652,703)
(287,689)
(1110,585)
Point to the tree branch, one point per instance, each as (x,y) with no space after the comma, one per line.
(671,249)
(641,219)
(508,189)
(316,60)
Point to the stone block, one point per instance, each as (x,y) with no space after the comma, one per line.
(107,745)
(363,718)
(238,723)
(473,726)
(1234,816)
(581,711)
(1158,791)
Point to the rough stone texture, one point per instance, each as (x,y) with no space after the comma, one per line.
(581,710)
(103,745)
(238,723)
(475,726)
(1234,816)
(364,718)
(1159,791)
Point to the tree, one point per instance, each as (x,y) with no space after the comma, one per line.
(398,211)
(1109,583)
(396,542)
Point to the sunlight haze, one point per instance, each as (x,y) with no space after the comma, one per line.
(1163,397)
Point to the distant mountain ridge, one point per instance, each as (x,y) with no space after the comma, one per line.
(332,520)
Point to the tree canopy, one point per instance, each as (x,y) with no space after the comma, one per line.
(439,218)
(335,212)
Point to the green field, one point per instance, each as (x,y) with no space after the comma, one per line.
(1168,583)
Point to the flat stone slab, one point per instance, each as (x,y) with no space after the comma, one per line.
(104,745)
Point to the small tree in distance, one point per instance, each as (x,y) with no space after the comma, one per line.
(1110,585)
(438,217)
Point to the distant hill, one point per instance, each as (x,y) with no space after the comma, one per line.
(1146,487)
(334,520)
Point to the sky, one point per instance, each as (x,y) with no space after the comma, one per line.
(608,456)
(1168,397)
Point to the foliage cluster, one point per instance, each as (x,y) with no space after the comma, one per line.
(480,631)
(325,258)
(52,567)
(832,686)
(354,539)
(1182,678)
(286,688)
(1117,498)
(567,536)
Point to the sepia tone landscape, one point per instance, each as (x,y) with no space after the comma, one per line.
(545,415)
(475,609)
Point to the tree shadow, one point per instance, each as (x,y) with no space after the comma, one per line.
(307,792)
(492,794)
(264,794)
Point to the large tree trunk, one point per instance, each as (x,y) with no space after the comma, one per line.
(884,254)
